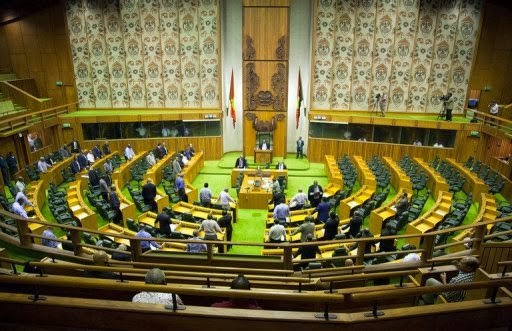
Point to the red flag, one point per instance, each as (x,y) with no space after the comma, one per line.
(300,99)
(232,99)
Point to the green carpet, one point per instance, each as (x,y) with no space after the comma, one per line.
(250,227)
(228,160)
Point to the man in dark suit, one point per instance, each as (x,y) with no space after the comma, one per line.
(82,160)
(225,222)
(241,162)
(280,165)
(106,149)
(94,179)
(75,166)
(149,194)
(264,145)
(315,192)
(115,204)
(75,146)
(158,151)
(163,219)
(97,152)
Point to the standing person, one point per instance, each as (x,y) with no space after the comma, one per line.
(402,204)
(64,152)
(150,159)
(180,187)
(149,194)
(82,160)
(225,221)
(163,150)
(48,242)
(323,209)
(300,148)
(210,228)
(315,192)
(176,167)
(241,162)
(115,204)
(20,184)
(494,109)
(75,166)
(42,165)
(75,146)
(307,252)
(163,219)
(224,198)
(205,196)
(191,149)
(448,106)
(104,190)
(129,153)
(5,170)
(106,148)
(354,225)
(12,163)
(331,226)
(94,178)
(281,211)
(305,228)
(97,152)
(277,232)
(107,166)
(383,104)
(298,201)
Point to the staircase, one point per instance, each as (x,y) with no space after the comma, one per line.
(8,107)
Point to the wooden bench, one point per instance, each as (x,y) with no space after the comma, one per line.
(79,208)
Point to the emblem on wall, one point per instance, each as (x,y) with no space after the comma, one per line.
(426,25)
(363,48)
(344,24)
(323,48)
(420,74)
(443,50)
(458,75)
(321,94)
(381,73)
(397,96)
(403,48)
(385,26)
(342,71)
(466,28)
(360,95)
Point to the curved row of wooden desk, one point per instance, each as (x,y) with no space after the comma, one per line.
(473,184)
(436,183)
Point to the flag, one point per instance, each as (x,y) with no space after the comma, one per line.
(232,99)
(300,99)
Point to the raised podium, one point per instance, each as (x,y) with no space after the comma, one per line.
(262,156)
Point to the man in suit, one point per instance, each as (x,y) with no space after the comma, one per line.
(82,160)
(225,222)
(176,167)
(97,152)
(163,219)
(192,150)
(300,148)
(241,162)
(149,194)
(315,192)
(75,146)
(75,166)
(280,165)
(157,152)
(115,204)
(106,149)
(94,179)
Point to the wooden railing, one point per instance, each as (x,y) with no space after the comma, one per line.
(24,98)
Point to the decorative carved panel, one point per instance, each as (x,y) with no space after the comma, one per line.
(250,51)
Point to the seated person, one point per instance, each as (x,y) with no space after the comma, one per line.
(156,276)
(387,245)
(196,247)
(307,252)
(280,165)
(120,256)
(239,283)
(100,259)
(467,267)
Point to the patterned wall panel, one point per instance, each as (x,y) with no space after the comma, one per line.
(422,56)
(98,58)
(116,54)
(75,12)
(446,30)
(383,48)
(323,50)
(169,25)
(132,35)
(464,49)
(209,52)
(343,53)
(414,50)
(189,53)
(363,47)
(145,53)
(407,16)
(152,53)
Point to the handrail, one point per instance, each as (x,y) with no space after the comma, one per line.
(30,96)
(36,112)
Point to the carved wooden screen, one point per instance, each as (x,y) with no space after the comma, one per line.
(265,66)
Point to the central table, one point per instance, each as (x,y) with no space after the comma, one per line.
(255,197)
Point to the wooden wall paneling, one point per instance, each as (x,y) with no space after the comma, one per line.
(5,61)
(266,3)
(265,26)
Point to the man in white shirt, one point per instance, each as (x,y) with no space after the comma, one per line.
(129,153)
(264,146)
(22,199)
(225,198)
(438,144)
(150,158)
(277,233)
(20,184)
(298,201)
(90,157)
(156,276)
(42,165)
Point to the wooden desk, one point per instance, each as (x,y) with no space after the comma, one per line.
(364,174)
(399,178)
(473,184)
(262,156)
(54,174)
(128,208)
(296,216)
(333,171)
(354,201)
(380,215)
(436,183)
(251,197)
(193,167)
(111,228)
(79,208)
(37,195)
(122,174)
(196,211)
(429,220)
(155,172)
(162,199)
(488,212)
(252,172)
